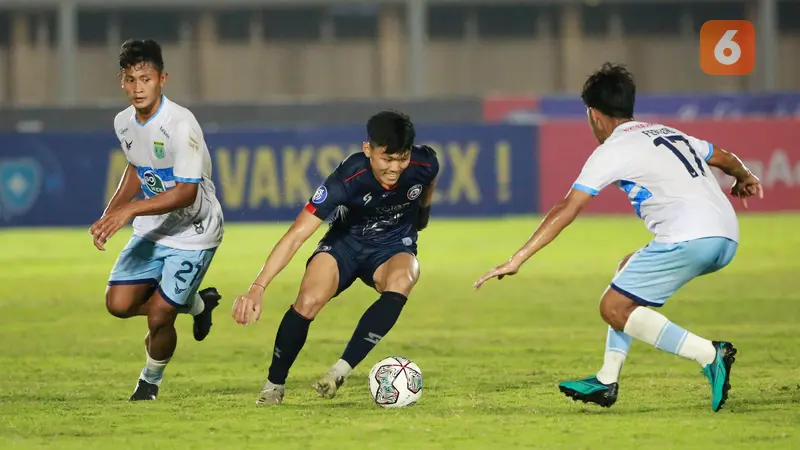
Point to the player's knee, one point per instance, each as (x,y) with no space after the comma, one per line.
(161,314)
(401,284)
(400,281)
(615,313)
(119,306)
(607,314)
(611,313)
(309,305)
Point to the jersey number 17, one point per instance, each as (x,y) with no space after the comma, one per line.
(669,142)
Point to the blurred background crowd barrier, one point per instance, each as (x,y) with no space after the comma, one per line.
(283,89)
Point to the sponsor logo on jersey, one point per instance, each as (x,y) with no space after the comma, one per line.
(158,150)
(153,182)
(320,195)
(414,192)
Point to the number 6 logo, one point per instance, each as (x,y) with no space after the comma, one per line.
(727,43)
(727,47)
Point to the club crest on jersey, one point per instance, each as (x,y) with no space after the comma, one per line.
(153,182)
(414,192)
(320,195)
(158,150)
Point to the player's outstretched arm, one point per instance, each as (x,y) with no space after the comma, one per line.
(248,306)
(746,183)
(558,218)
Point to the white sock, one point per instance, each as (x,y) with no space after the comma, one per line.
(617,345)
(153,371)
(272,386)
(612,366)
(652,327)
(197,305)
(342,368)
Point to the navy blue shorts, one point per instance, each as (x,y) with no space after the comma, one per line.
(358,260)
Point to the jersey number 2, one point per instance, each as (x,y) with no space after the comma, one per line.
(669,143)
(188,268)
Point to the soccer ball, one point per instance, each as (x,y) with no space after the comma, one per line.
(395,382)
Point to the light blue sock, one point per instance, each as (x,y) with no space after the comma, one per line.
(617,345)
(153,372)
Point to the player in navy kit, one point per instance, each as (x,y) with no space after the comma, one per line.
(378,201)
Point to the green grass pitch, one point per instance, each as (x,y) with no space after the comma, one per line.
(491,359)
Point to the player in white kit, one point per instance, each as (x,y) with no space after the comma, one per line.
(177,225)
(668,179)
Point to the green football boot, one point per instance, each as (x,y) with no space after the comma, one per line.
(719,373)
(590,390)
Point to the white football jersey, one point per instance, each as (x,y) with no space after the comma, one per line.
(668,182)
(166,149)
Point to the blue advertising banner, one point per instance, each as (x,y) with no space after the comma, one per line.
(59,179)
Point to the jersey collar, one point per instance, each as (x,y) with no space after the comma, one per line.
(621,129)
(158,111)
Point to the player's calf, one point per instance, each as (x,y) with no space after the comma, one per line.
(374,325)
(163,337)
(289,340)
(160,344)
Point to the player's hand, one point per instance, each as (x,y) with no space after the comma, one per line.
(746,188)
(247,307)
(509,268)
(108,225)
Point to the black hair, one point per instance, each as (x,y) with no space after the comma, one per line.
(611,90)
(391,129)
(137,51)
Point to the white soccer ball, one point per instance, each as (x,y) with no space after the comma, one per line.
(395,382)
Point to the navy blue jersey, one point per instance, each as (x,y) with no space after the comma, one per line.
(362,208)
